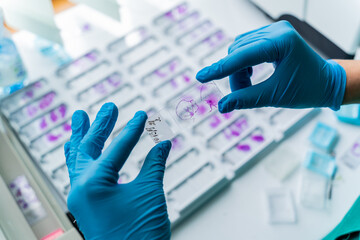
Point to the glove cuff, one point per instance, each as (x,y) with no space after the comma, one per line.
(338,79)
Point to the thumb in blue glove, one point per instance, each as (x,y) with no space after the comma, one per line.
(103,208)
(301,79)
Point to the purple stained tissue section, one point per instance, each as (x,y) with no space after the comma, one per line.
(212,101)
(46,100)
(186,109)
(220,36)
(169,15)
(227,115)
(241,123)
(179,11)
(215,121)
(173,66)
(62,110)
(209,41)
(230,132)
(212,41)
(182,9)
(18,193)
(176,143)
(38,85)
(143,32)
(29,93)
(31,110)
(52,137)
(43,123)
(53,116)
(23,193)
(114,81)
(86,27)
(356,149)
(258,138)
(235,129)
(67,127)
(173,83)
(243,147)
(43,104)
(100,88)
(202,109)
(160,74)
(186,78)
(77,62)
(91,56)
(235,133)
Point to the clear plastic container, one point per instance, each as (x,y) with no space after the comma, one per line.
(12,70)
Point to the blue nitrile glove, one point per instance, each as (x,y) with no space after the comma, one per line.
(349,227)
(103,208)
(301,79)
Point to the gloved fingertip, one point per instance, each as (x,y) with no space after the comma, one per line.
(161,150)
(140,115)
(107,108)
(78,118)
(107,111)
(225,105)
(109,105)
(202,75)
(166,145)
(222,108)
(223,100)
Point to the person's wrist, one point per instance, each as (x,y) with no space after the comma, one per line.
(134,232)
(336,78)
(110,235)
(118,235)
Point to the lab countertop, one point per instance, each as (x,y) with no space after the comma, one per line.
(239,211)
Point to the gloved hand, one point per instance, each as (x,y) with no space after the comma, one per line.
(301,79)
(103,208)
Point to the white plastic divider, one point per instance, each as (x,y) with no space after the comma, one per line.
(110,8)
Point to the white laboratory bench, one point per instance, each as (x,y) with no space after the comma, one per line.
(238,211)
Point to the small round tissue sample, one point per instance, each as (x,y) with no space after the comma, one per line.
(186,109)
